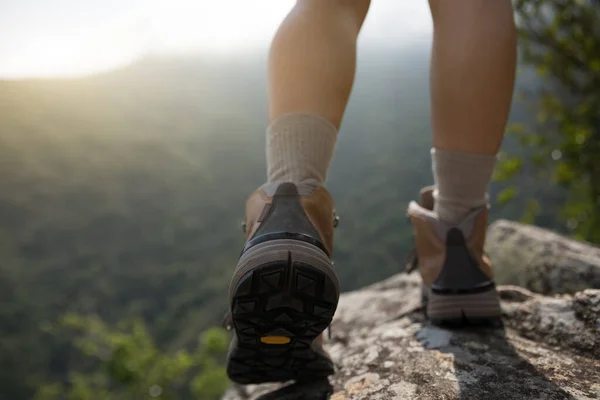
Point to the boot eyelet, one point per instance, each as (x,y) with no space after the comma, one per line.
(336,220)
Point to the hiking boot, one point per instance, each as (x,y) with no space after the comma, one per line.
(284,291)
(458,281)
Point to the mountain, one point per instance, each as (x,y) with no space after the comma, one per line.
(122,194)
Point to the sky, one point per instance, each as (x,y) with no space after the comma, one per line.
(52,38)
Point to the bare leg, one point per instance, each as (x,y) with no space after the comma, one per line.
(311,71)
(472,79)
(313,58)
(472,73)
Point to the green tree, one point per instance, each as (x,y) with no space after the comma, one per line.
(560,39)
(126,364)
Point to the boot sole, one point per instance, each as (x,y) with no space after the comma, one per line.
(481,308)
(283,295)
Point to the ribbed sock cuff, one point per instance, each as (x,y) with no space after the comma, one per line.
(299,148)
(461,182)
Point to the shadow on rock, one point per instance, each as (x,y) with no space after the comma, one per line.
(319,389)
(487,366)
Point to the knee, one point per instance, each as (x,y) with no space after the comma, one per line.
(355,9)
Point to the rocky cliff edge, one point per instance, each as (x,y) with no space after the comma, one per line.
(547,348)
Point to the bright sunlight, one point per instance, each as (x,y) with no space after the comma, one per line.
(72,38)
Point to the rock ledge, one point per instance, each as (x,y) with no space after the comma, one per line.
(549,347)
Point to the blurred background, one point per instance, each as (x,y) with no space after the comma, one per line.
(131,133)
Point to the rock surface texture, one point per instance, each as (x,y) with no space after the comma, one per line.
(540,260)
(548,348)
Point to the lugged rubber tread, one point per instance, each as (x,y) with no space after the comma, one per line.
(282,288)
(463,309)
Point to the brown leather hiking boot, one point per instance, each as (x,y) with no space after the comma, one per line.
(458,281)
(284,291)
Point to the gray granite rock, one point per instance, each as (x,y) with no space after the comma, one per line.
(548,348)
(540,260)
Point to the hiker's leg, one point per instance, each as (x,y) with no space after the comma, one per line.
(311,71)
(472,79)
(293,291)
(313,57)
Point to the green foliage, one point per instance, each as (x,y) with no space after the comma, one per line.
(561,40)
(214,342)
(122,196)
(532,210)
(210,385)
(126,364)
(508,168)
(507,195)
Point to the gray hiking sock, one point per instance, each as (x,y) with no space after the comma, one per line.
(461,183)
(299,148)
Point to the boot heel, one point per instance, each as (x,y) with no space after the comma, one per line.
(283,295)
(459,309)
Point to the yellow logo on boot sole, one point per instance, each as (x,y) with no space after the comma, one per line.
(275,339)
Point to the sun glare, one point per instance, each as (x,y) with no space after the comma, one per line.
(60,56)
(155,26)
(90,37)
(217,25)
